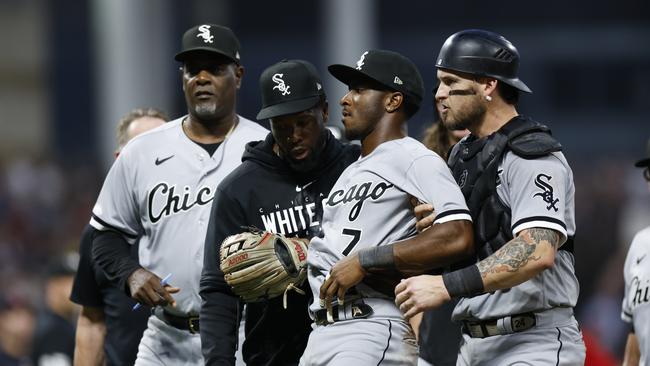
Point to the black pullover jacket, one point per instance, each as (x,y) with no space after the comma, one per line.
(264,192)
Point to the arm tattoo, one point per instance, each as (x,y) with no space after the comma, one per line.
(519,251)
(545,236)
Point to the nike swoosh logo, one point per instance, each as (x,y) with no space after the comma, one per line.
(160,161)
(638,260)
(298,188)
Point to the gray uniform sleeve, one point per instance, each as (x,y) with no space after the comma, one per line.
(432,177)
(633,252)
(116,208)
(536,191)
(626,310)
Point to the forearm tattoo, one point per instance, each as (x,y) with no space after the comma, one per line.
(519,251)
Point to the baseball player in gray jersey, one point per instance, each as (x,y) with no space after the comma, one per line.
(160,189)
(636,303)
(368,223)
(517,298)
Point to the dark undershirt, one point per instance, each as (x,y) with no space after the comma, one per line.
(210,148)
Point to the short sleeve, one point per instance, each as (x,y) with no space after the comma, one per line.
(116,208)
(431,175)
(536,191)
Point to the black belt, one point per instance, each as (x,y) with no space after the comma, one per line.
(188,323)
(489,328)
(345,312)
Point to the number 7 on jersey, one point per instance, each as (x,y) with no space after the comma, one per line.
(356,235)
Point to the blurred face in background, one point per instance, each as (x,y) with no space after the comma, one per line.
(139,126)
(16,330)
(57,296)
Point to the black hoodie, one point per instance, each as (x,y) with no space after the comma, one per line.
(264,192)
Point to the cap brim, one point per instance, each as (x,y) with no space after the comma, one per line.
(291,107)
(347,74)
(642,163)
(182,56)
(516,83)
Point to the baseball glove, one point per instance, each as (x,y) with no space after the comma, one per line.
(263,265)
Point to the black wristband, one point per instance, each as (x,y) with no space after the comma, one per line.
(465,282)
(380,257)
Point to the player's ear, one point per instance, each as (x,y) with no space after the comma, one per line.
(325,109)
(394,100)
(488,85)
(181,71)
(239,74)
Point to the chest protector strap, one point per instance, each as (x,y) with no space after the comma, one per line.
(474,163)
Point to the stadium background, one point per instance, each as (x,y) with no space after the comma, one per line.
(69,69)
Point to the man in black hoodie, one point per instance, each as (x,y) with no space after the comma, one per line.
(279,187)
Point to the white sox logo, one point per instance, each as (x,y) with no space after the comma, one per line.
(362,60)
(284,89)
(463,178)
(358,193)
(547,191)
(205,34)
(173,203)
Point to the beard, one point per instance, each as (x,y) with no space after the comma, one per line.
(312,160)
(205,111)
(307,164)
(466,117)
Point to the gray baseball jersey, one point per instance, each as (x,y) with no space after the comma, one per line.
(540,194)
(636,303)
(369,206)
(160,188)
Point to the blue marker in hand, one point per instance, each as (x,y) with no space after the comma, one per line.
(163,283)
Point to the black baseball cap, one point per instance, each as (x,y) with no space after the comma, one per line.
(288,87)
(388,68)
(644,162)
(210,38)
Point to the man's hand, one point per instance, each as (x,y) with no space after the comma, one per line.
(345,274)
(425,215)
(146,289)
(417,294)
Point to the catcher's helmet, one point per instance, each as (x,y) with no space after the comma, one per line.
(484,53)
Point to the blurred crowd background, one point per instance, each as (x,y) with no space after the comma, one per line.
(70,69)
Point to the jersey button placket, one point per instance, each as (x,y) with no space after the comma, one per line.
(204,162)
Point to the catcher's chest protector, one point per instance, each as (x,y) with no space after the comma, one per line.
(474,164)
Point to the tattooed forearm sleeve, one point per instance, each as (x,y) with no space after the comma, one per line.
(518,252)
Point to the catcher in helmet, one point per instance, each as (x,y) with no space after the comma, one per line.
(516,296)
